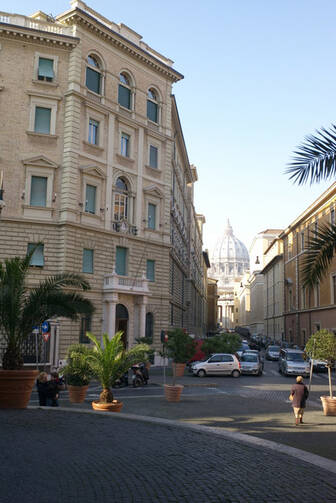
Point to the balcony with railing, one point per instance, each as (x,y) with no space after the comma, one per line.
(125,284)
(35,24)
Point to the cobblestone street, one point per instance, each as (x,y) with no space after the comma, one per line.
(53,456)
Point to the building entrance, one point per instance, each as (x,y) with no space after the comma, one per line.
(122,322)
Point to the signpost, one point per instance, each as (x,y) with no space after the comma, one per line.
(164,340)
(36,331)
(45,334)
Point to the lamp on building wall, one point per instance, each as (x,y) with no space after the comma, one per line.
(2,202)
(257,260)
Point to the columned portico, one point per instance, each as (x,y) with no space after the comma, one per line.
(131,292)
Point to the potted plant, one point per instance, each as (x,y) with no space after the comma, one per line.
(22,308)
(77,372)
(109,360)
(150,352)
(322,346)
(180,347)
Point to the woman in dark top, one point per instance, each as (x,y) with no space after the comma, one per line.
(42,388)
(300,394)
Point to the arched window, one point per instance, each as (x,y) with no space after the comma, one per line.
(121,201)
(125,91)
(149,325)
(94,74)
(152,106)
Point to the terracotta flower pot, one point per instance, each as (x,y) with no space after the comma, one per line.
(173,393)
(329,405)
(16,387)
(114,406)
(178,369)
(77,394)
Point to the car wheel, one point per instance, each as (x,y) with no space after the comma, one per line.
(235,373)
(201,373)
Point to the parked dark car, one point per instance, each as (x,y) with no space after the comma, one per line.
(272,353)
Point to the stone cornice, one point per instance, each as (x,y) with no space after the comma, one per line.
(80,17)
(37,36)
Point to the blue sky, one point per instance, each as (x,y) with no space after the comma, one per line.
(259,76)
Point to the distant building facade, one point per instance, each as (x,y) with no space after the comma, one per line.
(230,261)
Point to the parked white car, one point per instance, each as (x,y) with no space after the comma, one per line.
(217,364)
(292,362)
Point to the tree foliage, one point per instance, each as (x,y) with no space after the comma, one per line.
(21,307)
(180,346)
(322,346)
(109,360)
(223,343)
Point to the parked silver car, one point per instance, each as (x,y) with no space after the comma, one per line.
(272,353)
(292,362)
(250,363)
(217,364)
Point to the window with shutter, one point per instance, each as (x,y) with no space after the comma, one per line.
(38,191)
(87,261)
(150,273)
(153,156)
(121,261)
(46,69)
(151,216)
(90,199)
(42,120)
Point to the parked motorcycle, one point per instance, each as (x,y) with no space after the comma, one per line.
(122,381)
(140,375)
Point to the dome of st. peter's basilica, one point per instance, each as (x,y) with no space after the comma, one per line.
(230,259)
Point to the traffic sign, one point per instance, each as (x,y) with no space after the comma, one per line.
(46,336)
(45,327)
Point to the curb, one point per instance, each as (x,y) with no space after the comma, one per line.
(307,457)
(196,385)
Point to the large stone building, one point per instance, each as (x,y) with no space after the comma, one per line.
(306,311)
(230,261)
(96,169)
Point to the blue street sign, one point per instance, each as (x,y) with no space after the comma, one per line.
(45,327)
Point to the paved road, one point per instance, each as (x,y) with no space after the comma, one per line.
(51,456)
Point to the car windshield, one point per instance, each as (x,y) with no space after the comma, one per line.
(249,358)
(295,357)
(275,349)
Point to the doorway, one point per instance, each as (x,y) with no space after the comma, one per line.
(122,322)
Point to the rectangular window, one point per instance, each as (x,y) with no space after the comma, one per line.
(303,298)
(46,69)
(317,295)
(85,326)
(124,97)
(332,216)
(87,261)
(333,286)
(152,111)
(93,132)
(290,245)
(38,191)
(151,216)
(302,241)
(90,199)
(150,274)
(153,156)
(121,261)
(315,228)
(42,120)
(38,255)
(124,147)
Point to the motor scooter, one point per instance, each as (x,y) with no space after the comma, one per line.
(121,382)
(140,375)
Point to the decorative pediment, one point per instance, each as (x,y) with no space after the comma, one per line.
(40,161)
(153,190)
(93,171)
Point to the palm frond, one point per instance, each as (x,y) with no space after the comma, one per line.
(315,158)
(317,259)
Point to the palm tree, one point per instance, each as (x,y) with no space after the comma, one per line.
(109,360)
(314,161)
(22,308)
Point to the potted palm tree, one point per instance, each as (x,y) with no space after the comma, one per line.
(180,347)
(109,360)
(77,372)
(322,346)
(22,308)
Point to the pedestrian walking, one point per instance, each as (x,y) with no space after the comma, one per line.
(53,390)
(42,384)
(299,395)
